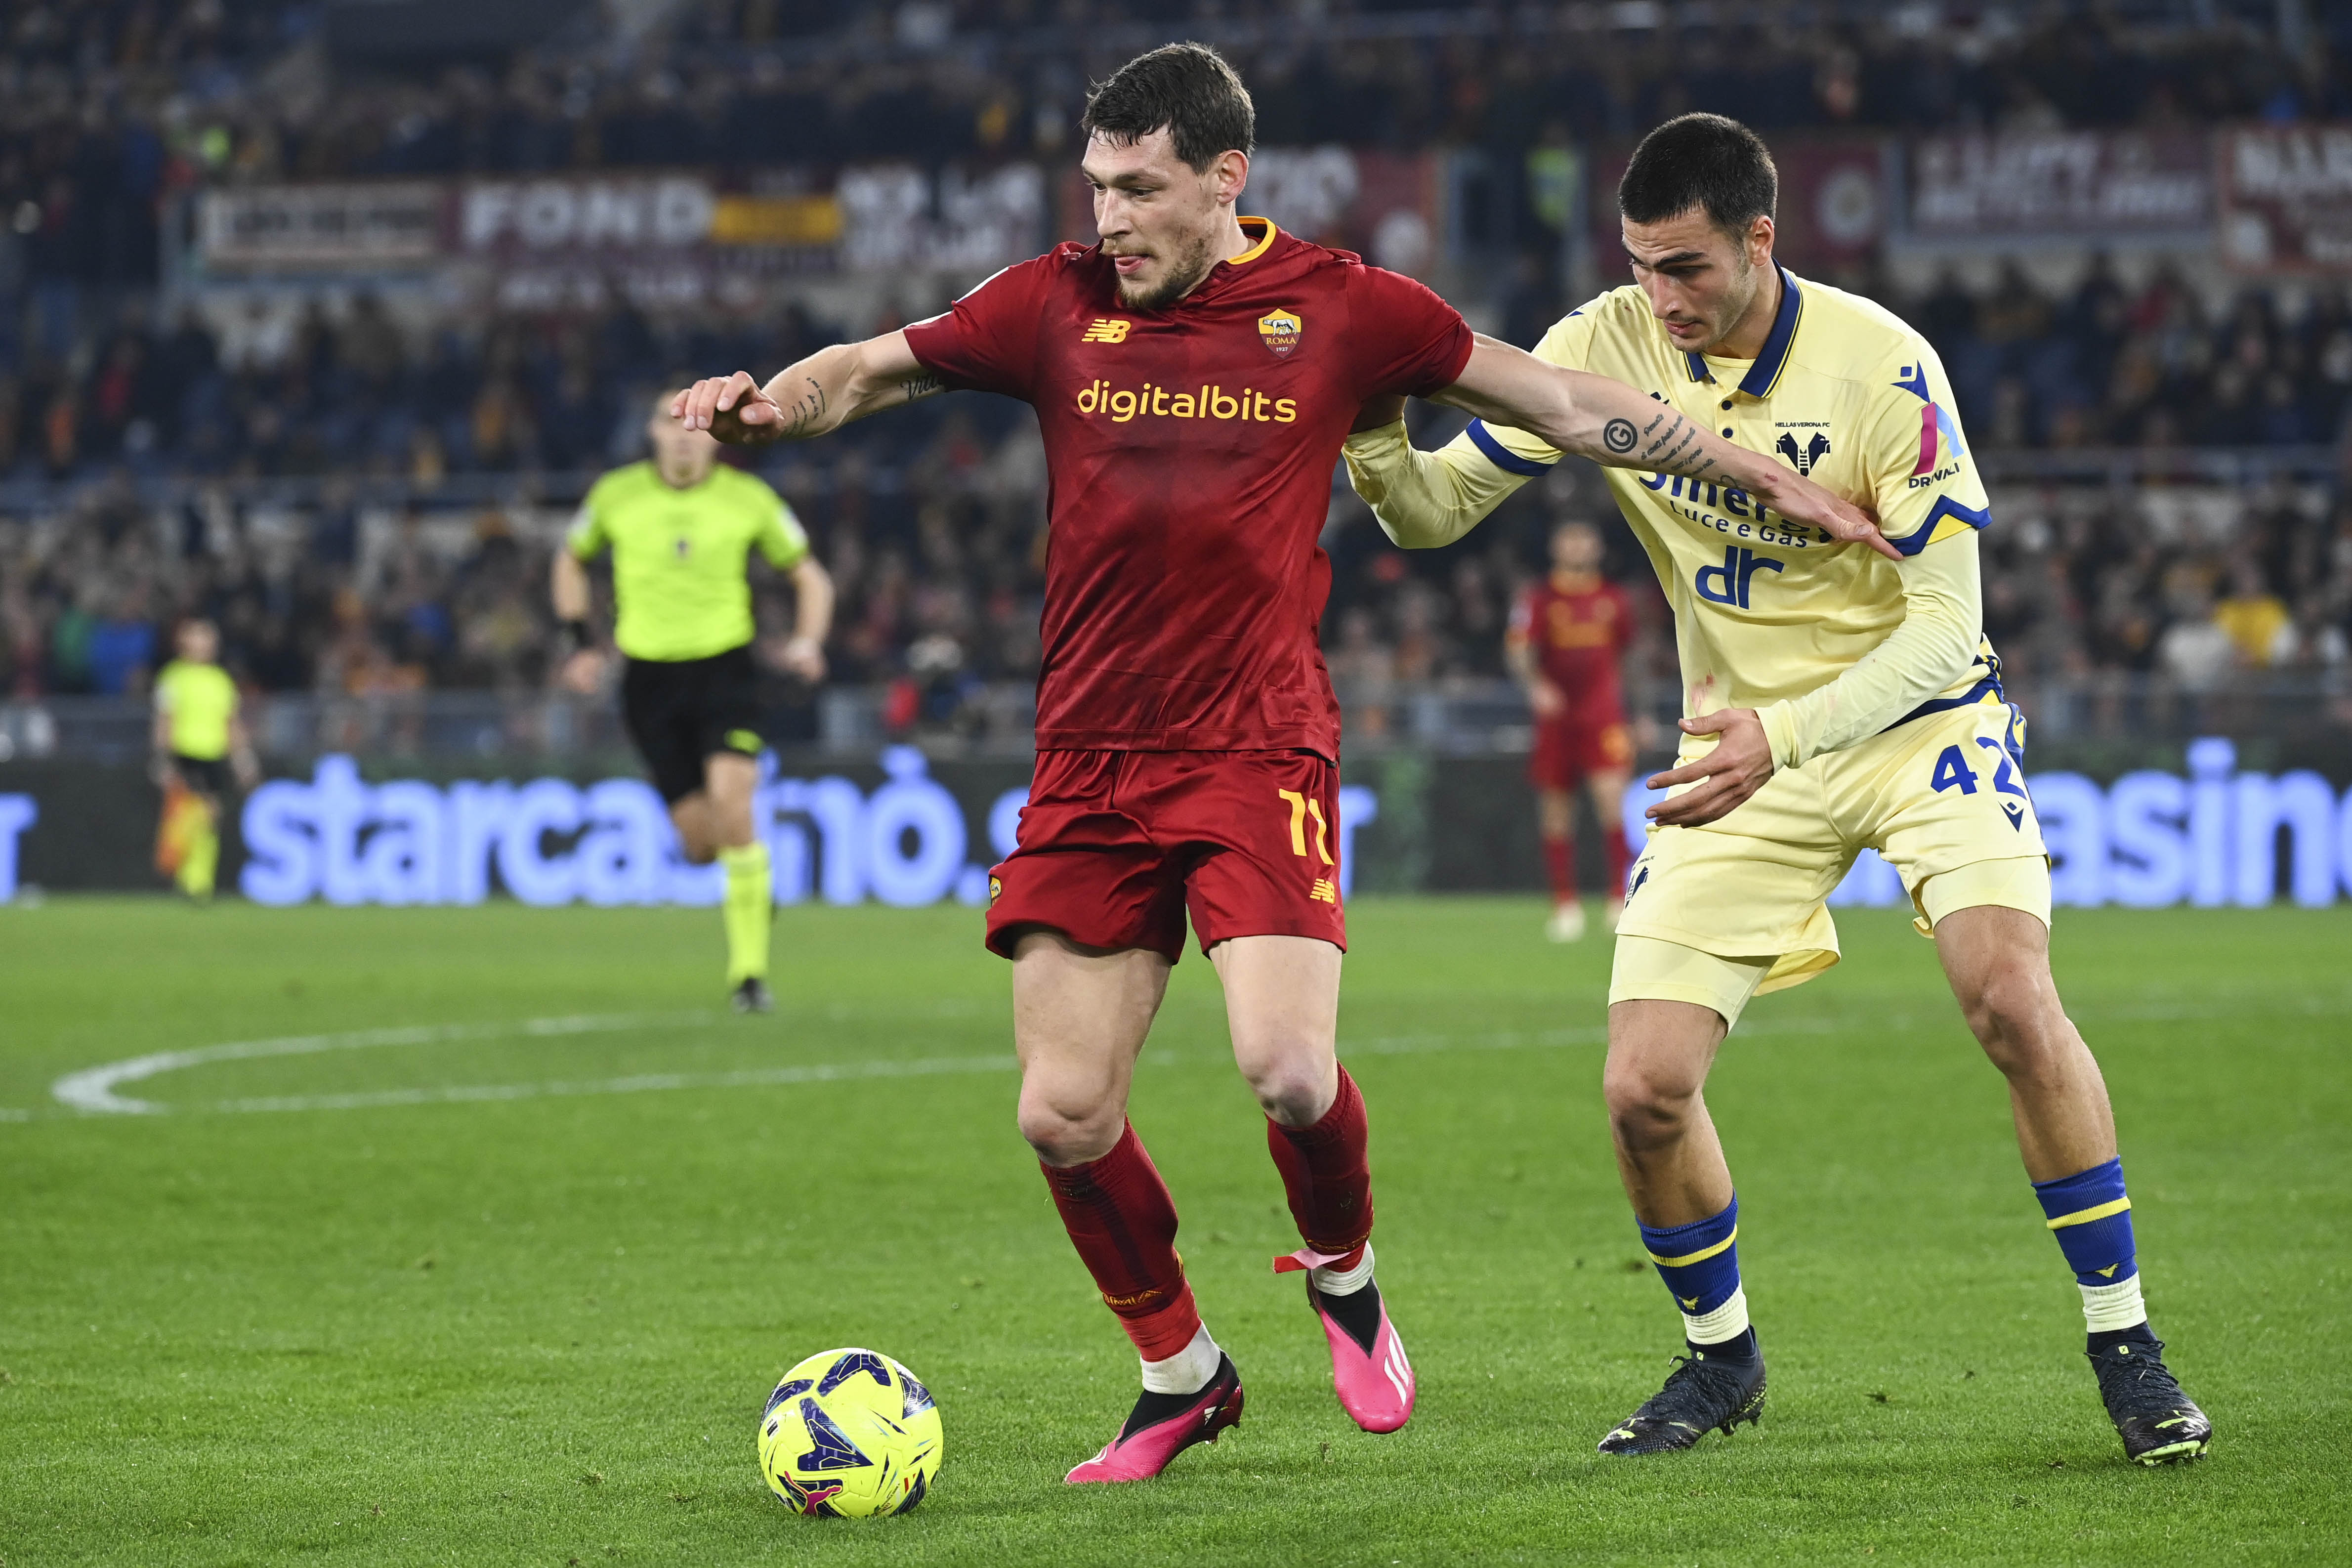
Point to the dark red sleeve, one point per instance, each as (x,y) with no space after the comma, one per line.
(987,341)
(1407,339)
(1621,623)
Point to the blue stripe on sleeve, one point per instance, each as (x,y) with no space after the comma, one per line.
(1502,457)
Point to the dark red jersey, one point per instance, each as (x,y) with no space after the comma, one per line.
(1578,626)
(1190,453)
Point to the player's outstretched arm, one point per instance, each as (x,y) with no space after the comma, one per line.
(1422,499)
(1619,427)
(820,394)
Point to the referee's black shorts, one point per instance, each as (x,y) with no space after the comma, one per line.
(681,712)
(205,775)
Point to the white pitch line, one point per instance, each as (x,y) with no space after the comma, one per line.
(827,1072)
(92,1088)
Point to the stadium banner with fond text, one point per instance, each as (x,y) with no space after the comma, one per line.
(2285,198)
(2088,184)
(1834,211)
(900,828)
(659,240)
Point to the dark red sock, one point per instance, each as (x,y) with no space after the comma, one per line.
(1328,1175)
(1559,859)
(1621,859)
(1123,1223)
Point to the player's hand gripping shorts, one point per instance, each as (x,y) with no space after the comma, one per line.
(1572,747)
(1726,911)
(1114,847)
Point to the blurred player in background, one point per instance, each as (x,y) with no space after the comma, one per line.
(1833,700)
(681,528)
(1194,375)
(1564,635)
(200,745)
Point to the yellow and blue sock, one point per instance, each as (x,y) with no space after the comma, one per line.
(2090,1213)
(1700,1264)
(749,906)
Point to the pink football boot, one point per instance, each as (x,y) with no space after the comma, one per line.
(1164,1426)
(1369,1371)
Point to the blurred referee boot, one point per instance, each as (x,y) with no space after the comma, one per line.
(1567,922)
(752,995)
(2159,1423)
(1714,1388)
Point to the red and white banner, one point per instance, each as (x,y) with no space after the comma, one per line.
(2074,182)
(2287,198)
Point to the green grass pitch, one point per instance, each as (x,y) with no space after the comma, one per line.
(460,1291)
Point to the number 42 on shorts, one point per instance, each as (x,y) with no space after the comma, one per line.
(1952,772)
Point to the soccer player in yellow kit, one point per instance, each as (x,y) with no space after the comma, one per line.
(1834,699)
(681,528)
(200,740)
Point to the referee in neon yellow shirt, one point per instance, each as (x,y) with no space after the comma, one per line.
(200,740)
(681,528)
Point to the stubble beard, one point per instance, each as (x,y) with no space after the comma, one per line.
(1185,270)
(1734,312)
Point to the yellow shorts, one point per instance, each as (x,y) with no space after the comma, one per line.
(1942,798)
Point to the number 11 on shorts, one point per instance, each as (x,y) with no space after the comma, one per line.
(1303,807)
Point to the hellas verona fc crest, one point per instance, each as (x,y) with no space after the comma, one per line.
(1280,330)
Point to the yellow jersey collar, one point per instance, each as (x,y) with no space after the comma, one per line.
(1764,374)
(1255,251)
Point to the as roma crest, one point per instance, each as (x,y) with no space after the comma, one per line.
(1280,330)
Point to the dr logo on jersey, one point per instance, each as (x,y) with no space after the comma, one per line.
(1732,578)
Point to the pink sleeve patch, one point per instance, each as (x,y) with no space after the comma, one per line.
(1927,438)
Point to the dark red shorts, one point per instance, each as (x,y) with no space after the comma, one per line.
(1570,748)
(1114,847)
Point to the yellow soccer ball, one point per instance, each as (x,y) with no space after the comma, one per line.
(850,1434)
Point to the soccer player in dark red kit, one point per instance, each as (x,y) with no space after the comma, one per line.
(1194,375)
(1566,633)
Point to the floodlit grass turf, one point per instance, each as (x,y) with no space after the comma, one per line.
(539,1327)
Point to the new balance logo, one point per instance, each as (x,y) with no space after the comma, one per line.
(1324,890)
(1106,330)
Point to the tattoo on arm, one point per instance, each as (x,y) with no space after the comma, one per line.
(922,386)
(1671,438)
(807,409)
(1618,435)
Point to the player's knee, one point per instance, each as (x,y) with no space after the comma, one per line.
(1067,1126)
(1647,1108)
(1295,1087)
(2014,1012)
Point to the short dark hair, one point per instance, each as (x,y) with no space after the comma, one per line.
(1701,161)
(1187,89)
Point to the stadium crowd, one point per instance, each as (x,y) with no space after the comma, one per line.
(931,520)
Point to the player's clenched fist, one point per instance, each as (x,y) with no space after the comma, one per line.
(733,408)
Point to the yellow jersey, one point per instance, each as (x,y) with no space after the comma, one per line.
(199,700)
(679,556)
(1844,392)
